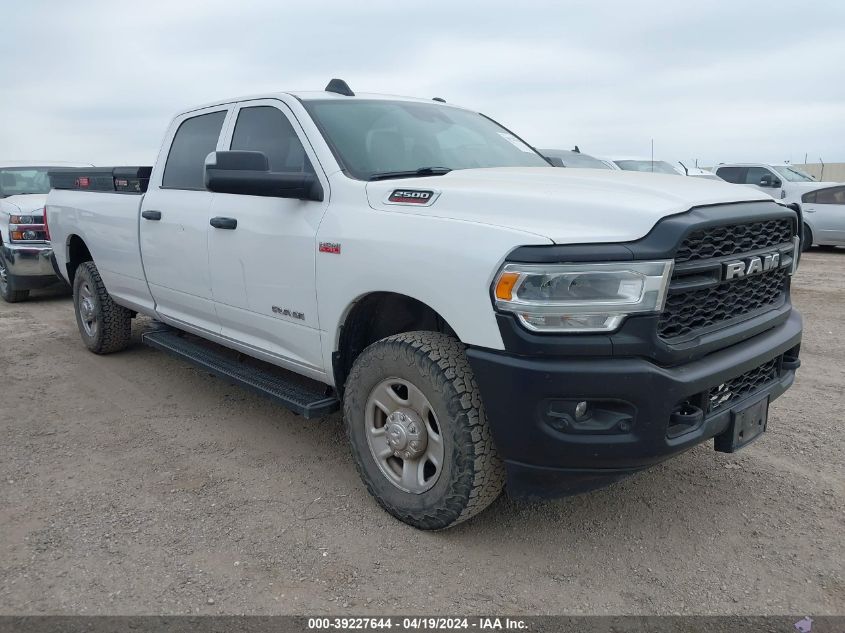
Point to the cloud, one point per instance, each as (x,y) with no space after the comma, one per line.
(714,80)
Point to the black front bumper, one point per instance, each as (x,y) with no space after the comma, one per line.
(529,402)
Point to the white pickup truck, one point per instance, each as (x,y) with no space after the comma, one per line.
(483,318)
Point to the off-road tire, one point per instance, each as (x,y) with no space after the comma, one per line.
(807,242)
(114,321)
(472,475)
(6,292)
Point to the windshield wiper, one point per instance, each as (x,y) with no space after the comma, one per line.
(422,171)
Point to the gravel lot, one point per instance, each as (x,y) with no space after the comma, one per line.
(135,483)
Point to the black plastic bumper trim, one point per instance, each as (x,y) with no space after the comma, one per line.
(514,389)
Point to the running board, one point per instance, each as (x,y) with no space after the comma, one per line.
(306,397)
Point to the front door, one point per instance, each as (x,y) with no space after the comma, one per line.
(263,270)
(757,175)
(174,223)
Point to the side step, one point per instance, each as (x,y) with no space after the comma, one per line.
(301,395)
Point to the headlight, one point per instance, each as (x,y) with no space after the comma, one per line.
(581,297)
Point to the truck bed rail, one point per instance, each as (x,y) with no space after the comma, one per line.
(110,179)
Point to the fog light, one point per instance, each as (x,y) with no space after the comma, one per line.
(581,410)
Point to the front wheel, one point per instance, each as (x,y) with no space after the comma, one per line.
(9,295)
(418,431)
(105,326)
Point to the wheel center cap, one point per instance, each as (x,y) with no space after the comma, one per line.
(86,308)
(406,434)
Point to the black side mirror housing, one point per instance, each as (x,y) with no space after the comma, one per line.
(248,174)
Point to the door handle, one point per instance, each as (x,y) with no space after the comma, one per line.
(224,223)
(151,215)
(809,210)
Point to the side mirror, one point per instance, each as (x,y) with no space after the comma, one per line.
(556,161)
(248,174)
(766,181)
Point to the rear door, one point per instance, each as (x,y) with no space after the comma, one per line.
(174,221)
(825,213)
(263,271)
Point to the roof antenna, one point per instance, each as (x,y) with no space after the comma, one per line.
(340,87)
(440,99)
(576,150)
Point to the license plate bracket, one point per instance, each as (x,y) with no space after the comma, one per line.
(747,424)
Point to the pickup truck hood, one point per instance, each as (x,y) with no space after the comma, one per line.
(564,205)
(27,203)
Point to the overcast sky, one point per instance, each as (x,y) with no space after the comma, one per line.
(713,80)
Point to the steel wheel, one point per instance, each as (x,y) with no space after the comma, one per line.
(404,435)
(87,309)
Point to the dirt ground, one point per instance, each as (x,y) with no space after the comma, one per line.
(135,483)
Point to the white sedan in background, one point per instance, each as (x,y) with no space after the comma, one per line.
(824,216)
(646,165)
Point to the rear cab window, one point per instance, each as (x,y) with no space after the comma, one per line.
(195,139)
(735,175)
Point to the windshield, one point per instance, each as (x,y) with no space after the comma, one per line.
(575,159)
(19,180)
(793,175)
(657,166)
(370,137)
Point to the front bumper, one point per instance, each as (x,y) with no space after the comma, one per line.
(527,398)
(29,266)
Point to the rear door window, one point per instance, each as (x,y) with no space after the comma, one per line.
(834,195)
(266,129)
(735,175)
(195,139)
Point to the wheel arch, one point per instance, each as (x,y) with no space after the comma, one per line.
(77,253)
(377,315)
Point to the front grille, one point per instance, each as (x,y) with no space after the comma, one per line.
(699,301)
(729,392)
(688,312)
(720,241)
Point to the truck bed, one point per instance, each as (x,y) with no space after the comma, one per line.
(100,208)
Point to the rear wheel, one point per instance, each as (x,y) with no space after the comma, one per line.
(9,295)
(418,431)
(807,244)
(105,326)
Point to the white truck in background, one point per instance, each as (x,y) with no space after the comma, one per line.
(482,318)
(24,240)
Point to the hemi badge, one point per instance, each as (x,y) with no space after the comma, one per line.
(330,247)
